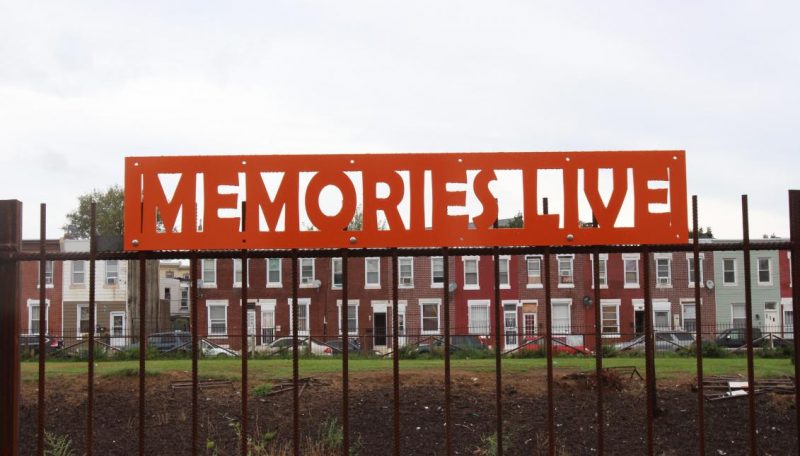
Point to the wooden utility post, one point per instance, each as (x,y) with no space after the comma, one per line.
(157,315)
(10,244)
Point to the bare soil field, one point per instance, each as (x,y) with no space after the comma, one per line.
(168,415)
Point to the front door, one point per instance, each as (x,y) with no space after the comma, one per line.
(117,331)
(771,318)
(510,325)
(379,328)
(638,316)
(267,326)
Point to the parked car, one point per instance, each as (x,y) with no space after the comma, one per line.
(737,338)
(353,345)
(29,343)
(560,345)
(284,345)
(469,342)
(664,341)
(181,341)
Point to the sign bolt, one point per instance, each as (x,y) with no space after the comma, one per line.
(353,239)
(135,242)
(570,237)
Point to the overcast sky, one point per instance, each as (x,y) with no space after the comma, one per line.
(84,84)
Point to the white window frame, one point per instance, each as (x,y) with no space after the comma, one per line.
(112,280)
(735,272)
(203,270)
(237,266)
(302,302)
(305,281)
(279,283)
(334,284)
(78,319)
(405,281)
(662,305)
(31,313)
(571,259)
(769,271)
(434,260)
(610,303)
(477,284)
(73,272)
(626,257)
(690,265)
(603,259)
(535,323)
(663,282)
(216,303)
(47,283)
(743,306)
(476,307)
(505,283)
(352,330)
(376,263)
(537,258)
(689,302)
(558,329)
(430,302)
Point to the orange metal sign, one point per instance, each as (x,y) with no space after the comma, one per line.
(407,200)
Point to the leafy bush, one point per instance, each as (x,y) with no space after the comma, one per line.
(262,390)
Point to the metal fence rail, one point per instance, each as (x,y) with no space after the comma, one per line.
(11,257)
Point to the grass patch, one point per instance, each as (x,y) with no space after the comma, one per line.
(127,372)
(262,390)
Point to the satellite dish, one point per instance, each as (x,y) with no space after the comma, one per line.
(710,284)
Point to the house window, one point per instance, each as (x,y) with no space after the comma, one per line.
(336,271)
(661,319)
(307,271)
(274,272)
(372,271)
(788,323)
(184,298)
(534,271)
(478,317)
(529,324)
(738,316)
(689,316)
(690,268)
(561,317)
(112,272)
(237,273)
(437,272)
(610,315)
(603,273)
(48,274)
(504,279)
(302,315)
(663,272)
(169,274)
(352,317)
(405,270)
(167,294)
(78,272)
(565,272)
(33,317)
(83,319)
(729,271)
(209,274)
(631,265)
(217,318)
(471,273)
(764,271)
(430,317)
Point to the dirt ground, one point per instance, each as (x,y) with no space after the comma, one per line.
(168,429)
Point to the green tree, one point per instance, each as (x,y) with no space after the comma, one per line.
(516,221)
(108,216)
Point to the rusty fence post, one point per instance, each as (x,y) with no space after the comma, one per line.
(794,233)
(10,243)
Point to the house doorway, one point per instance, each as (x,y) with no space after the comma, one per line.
(379,329)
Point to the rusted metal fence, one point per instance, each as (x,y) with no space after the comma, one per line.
(11,257)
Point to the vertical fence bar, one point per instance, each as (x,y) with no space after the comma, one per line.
(701,406)
(548,341)
(194,320)
(10,242)
(244,328)
(396,353)
(142,346)
(40,412)
(794,235)
(498,370)
(345,312)
(92,326)
(748,306)
(598,349)
(649,342)
(448,425)
(295,361)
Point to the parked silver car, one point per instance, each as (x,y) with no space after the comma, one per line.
(664,341)
(284,345)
